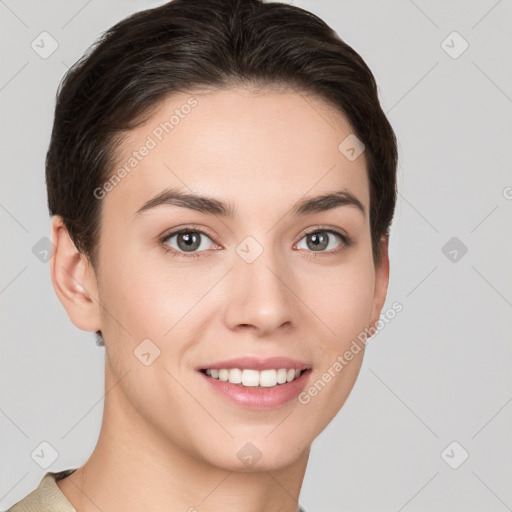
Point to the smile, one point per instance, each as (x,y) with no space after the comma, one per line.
(254,378)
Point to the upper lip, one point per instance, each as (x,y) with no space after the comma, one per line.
(254,363)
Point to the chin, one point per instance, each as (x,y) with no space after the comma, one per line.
(259,454)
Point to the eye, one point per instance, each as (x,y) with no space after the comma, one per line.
(185,241)
(324,240)
(190,242)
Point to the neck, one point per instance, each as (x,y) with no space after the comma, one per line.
(134,466)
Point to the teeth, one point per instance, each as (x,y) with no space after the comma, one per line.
(254,378)
(268,378)
(235,376)
(281,376)
(250,378)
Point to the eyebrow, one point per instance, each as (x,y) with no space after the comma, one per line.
(212,206)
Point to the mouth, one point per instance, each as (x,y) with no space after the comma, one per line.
(250,378)
(254,383)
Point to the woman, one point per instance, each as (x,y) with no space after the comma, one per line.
(222,180)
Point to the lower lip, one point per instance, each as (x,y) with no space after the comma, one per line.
(259,397)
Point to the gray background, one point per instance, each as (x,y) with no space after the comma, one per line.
(439,372)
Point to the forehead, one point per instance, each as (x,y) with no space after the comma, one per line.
(259,149)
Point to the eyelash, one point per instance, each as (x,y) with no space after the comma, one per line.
(346,241)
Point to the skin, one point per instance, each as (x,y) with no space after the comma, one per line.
(167,441)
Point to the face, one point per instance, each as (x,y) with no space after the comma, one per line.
(248,280)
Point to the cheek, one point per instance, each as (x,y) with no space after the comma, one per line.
(342,298)
(344,309)
(157,300)
(139,292)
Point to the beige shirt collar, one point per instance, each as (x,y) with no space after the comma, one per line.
(47,496)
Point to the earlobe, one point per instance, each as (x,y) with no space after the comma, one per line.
(74,280)
(381,281)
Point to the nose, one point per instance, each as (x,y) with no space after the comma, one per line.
(261,295)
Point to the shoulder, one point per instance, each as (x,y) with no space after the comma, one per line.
(46,497)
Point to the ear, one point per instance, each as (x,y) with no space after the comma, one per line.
(381,281)
(74,280)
